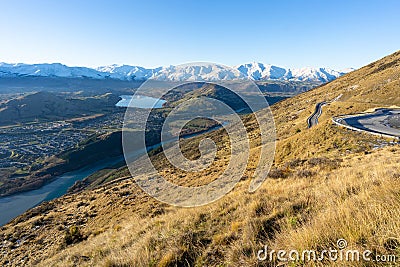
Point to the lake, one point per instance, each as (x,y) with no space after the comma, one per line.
(140,101)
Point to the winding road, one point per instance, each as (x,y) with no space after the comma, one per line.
(376,123)
(313,119)
(379,122)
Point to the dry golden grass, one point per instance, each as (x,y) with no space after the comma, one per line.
(358,201)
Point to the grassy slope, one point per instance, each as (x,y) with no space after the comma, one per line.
(46,106)
(327,183)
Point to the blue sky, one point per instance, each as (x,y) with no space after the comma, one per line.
(336,34)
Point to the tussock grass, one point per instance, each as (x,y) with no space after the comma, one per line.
(358,201)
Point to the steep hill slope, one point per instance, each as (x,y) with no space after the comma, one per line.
(327,183)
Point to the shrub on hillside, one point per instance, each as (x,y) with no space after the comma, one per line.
(73,235)
(277,173)
(304,173)
(324,163)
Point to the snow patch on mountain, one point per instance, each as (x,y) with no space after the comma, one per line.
(314,74)
(259,71)
(126,72)
(201,72)
(47,70)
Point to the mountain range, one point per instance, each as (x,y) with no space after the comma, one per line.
(193,72)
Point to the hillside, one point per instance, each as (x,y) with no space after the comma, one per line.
(46,106)
(326,183)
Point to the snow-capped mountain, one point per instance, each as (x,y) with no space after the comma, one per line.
(314,74)
(191,72)
(259,71)
(126,72)
(51,70)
